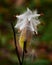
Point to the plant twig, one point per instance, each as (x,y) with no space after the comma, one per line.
(24,49)
(16,43)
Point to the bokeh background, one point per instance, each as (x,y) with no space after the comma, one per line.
(41,47)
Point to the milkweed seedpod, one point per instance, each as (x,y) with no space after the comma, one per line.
(27,23)
(25,35)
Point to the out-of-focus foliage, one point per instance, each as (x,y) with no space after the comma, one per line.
(42,43)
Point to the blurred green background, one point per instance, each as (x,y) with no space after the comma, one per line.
(42,43)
